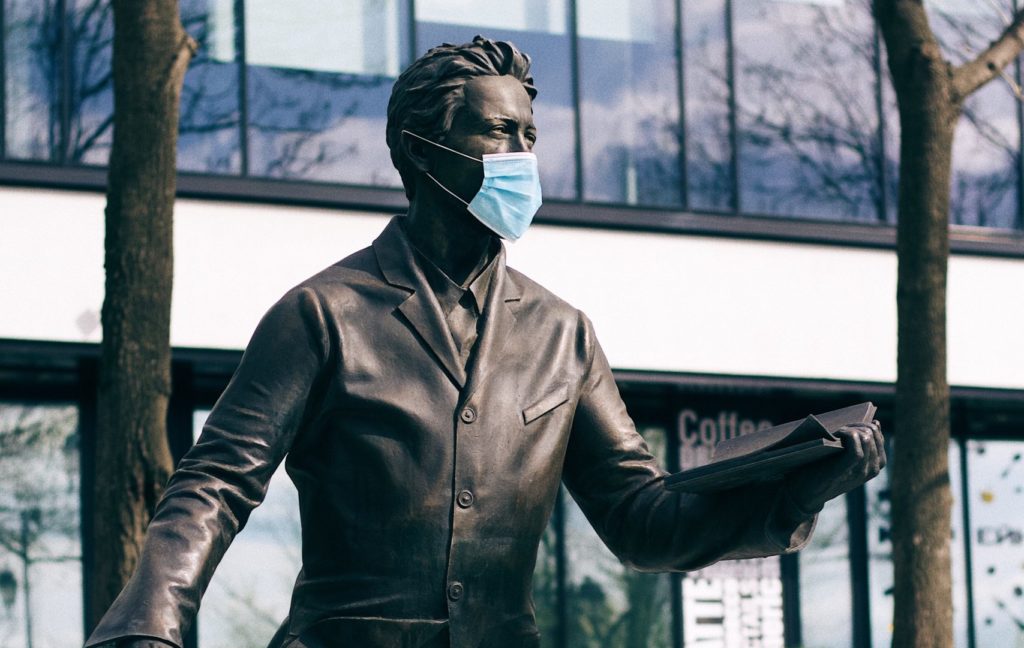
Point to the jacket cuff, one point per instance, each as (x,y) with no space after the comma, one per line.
(789,527)
(113,638)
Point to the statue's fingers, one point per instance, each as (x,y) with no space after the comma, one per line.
(872,460)
(853,446)
(880,445)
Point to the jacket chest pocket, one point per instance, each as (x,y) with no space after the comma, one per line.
(553,399)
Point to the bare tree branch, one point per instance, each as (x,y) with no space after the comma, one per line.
(989,64)
(907,36)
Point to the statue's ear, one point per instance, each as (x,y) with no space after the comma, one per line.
(416,151)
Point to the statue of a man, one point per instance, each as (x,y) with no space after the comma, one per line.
(428,402)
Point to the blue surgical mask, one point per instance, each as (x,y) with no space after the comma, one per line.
(510,194)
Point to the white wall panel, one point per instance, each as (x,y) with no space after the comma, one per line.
(51,265)
(725,306)
(659,302)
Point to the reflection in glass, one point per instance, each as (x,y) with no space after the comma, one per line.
(708,141)
(90,24)
(32,92)
(208,137)
(629,102)
(995,471)
(826,610)
(243,607)
(891,136)
(545,585)
(880,569)
(40,538)
(986,147)
(538,28)
(319,78)
(985,154)
(609,605)
(806,109)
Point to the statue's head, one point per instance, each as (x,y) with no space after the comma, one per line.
(429,93)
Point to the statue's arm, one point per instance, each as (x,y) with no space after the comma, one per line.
(620,488)
(225,474)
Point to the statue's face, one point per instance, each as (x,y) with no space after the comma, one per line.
(496,117)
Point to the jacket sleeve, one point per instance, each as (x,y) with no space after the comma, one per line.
(621,489)
(225,475)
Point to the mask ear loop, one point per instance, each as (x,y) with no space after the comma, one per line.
(450,150)
(450,192)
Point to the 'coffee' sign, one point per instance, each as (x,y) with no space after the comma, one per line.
(698,434)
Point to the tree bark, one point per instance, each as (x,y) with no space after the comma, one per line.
(133,461)
(930,93)
(921,499)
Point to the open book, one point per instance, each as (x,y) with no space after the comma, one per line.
(769,454)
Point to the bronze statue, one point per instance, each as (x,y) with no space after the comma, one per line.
(428,401)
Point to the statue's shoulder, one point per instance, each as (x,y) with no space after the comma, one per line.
(540,300)
(354,272)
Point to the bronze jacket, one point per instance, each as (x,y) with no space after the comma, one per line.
(423,488)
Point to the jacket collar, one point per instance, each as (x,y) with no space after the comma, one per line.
(421,309)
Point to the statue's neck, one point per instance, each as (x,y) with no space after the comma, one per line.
(456,243)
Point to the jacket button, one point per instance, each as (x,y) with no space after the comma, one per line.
(468,415)
(455,591)
(465,499)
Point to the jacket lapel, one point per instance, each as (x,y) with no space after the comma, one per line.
(420,309)
(499,322)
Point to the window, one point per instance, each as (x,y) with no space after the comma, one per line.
(711,184)
(826,607)
(806,109)
(735,602)
(31,91)
(987,144)
(545,583)
(40,539)
(243,607)
(629,102)
(995,477)
(609,605)
(539,28)
(319,77)
(90,24)
(210,115)
(880,568)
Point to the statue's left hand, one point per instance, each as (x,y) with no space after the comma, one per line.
(863,457)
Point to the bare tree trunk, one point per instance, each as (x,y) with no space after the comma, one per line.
(930,93)
(133,461)
(921,499)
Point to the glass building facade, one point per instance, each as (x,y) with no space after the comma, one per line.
(767,108)
(40,525)
(836,593)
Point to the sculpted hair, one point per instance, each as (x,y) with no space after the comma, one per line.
(429,92)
